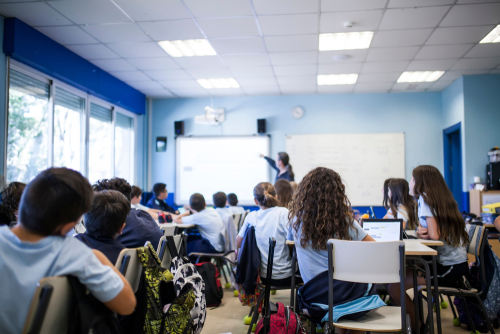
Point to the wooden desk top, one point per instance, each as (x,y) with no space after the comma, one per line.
(427,242)
(178,225)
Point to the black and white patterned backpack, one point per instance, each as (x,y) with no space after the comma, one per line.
(185,273)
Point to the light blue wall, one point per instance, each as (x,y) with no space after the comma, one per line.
(418,115)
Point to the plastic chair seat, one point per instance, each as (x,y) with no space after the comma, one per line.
(444,289)
(383,319)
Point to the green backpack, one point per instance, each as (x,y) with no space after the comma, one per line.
(166,312)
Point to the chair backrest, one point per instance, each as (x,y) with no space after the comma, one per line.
(168,229)
(51,307)
(477,240)
(163,252)
(236,220)
(243,216)
(366,262)
(130,266)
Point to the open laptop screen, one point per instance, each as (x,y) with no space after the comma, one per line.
(384,229)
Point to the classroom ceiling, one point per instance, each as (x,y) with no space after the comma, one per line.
(271,46)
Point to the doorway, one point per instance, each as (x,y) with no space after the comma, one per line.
(453,162)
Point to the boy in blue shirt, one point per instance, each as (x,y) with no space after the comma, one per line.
(36,247)
(158,201)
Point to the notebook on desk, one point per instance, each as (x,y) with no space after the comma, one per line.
(384,229)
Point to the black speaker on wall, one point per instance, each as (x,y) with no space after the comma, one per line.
(261,125)
(179,128)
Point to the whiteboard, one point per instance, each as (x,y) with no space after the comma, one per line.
(207,165)
(364,161)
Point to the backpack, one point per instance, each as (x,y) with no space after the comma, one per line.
(167,311)
(213,288)
(283,320)
(186,275)
(90,315)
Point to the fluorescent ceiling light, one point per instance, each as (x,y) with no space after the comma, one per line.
(345,41)
(420,76)
(337,79)
(218,83)
(188,48)
(493,36)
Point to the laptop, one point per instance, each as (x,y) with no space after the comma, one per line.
(384,229)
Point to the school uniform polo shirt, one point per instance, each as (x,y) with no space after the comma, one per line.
(210,226)
(159,204)
(108,246)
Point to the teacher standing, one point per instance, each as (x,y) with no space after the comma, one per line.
(282,166)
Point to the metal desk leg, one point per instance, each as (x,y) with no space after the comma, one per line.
(436,295)
(292,293)
(429,290)
(416,299)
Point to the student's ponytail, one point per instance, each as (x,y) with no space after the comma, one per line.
(265,194)
(290,171)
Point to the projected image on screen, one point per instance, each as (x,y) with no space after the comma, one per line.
(230,164)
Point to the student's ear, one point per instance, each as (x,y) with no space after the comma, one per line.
(256,203)
(64,229)
(121,229)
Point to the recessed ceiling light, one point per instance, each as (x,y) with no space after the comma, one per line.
(493,36)
(188,48)
(345,41)
(218,83)
(420,76)
(337,79)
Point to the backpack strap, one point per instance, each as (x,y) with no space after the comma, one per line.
(171,246)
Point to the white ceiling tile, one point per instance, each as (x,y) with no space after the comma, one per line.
(209,73)
(459,35)
(169,75)
(116,33)
(226,92)
(339,68)
(113,64)
(238,45)
(229,27)
(411,86)
(289,58)
(263,81)
(219,8)
(93,51)
(386,66)
(443,51)
(453,75)
(130,76)
(191,92)
(172,30)
(34,13)
(418,3)
(140,85)
(484,50)
(470,15)
(308,80)
(343,5)
(298,89)
(159,63)
(476,64)
(262,90)
(378,77)
(90,11)
(179,84)
(378,87)
(305,69)
(363,21)
(387,38)
(251,71)
(157,93)
(68,35)
(154,10)
(197,62)
(246,60)
(335,89)
(440,85)
(138,50)
(355,56)
(410,18)
(298,24)
(292,43)
(383,54)
(266,7)
(431,65)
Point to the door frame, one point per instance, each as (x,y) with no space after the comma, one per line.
(447,156)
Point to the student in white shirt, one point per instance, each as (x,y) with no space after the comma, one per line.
(135,203)
(401,203)
(226,214)
(270,221)
(232,201)
(209,224)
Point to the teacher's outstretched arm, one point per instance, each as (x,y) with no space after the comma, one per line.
(281,165)
(271,162)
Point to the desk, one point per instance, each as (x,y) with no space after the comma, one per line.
(184,226)
(427,242)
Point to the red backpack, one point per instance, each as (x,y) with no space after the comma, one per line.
(283,320)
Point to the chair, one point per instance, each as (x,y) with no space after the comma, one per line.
(50,308)
(164,254)
(369,262)
(236,220)
(168,229)
(130,266)
(242,220)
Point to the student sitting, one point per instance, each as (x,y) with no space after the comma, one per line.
(104,222)
(158,201)
(232,201)
(284,192)
(11,197)
(270,221)
(37,247)
(439,219)
(402,203)
(385,192)
(140,226)
(135,201)
(226,214)
(209,224)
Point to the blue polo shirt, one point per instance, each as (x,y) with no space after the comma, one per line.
(159,204)
(108,246)
(139,228)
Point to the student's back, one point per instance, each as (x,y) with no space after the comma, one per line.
(140,228)
(236,209)
(210,226)
(232,201)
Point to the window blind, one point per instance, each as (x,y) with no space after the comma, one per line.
(28,85)
(100,113)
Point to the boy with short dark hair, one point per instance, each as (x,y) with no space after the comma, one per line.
(226,215)
(158,201)
(104,222)
(36,247)
(232,200)
(135,201)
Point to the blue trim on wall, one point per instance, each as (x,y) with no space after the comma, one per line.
(29,46)
(447,155)
(465,201)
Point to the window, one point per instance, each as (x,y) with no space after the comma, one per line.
(68,119)
(27,148)
(100,143)
(124,147)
